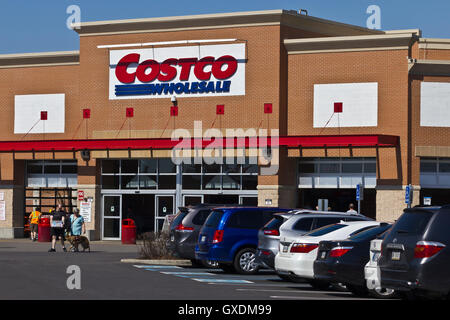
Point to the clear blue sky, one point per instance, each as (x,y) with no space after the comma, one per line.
(34,26)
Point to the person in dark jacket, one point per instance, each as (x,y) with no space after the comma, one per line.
(57,224)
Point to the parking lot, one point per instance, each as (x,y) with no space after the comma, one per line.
(30,272)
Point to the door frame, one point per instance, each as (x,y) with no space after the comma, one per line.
(201,196)
(241,197)
(157,196)
(103,217)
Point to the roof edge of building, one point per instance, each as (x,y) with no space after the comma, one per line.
(39,59)
(220,20)
(388,41)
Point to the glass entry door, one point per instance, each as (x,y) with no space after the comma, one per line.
(164,206)
(112,217)
(248,200)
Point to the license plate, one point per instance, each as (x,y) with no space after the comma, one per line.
(395,255)
(285,248)
(203,239)
(323,255)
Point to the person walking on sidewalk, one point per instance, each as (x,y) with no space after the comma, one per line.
(57,228)
(78,227)
(34,221)
(351,209)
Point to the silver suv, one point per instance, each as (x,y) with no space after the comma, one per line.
(294,223)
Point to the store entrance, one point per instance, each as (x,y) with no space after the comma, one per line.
(339,199)
(140,208)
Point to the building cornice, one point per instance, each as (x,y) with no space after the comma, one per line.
(429,67)
(434,44)
(400,41)
(39,59)
(289,18)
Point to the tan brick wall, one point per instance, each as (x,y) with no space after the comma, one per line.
(281,196)
(391,202)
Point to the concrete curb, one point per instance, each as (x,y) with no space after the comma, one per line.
(159,262)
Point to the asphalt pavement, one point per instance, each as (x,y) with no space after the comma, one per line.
(29,272)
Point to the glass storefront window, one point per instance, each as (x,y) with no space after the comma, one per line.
(428,167)
(231,182)
(444,167)
(211,182)
(249,182)
(148,182)
(352,167)
(192,168)
(129,166)
(329,167)
(167,166)
(110,166)
(167,182)
(129,182)
(110,182)
(192,182)
(148,166)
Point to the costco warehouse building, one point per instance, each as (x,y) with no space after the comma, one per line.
(93,127)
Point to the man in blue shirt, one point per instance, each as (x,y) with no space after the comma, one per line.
(78,226)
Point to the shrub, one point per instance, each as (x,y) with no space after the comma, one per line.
(154,246)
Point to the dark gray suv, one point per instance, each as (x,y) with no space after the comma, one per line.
(295,222)
(415,254)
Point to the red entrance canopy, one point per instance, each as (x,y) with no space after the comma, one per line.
(167,143)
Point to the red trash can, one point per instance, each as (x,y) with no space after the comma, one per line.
(128,231)
(44,230)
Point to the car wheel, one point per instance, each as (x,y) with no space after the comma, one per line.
(228,268)
(210,264)
(244,261)
(358,291)
(383,293)
(319,285)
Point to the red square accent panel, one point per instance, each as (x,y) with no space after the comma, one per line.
(220,109)
(86,113)
(173,111)
(267,108)
(43,115)
(130,112)
(338,107)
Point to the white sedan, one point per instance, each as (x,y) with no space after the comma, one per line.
(296,255)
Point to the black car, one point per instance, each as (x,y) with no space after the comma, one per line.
(415,255)
(344,261)
(185,228)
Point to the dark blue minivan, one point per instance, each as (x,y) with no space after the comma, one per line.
(230,237)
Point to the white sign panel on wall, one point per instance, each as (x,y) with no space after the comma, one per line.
(359,105)
(184,71)
(27,113)
(86,210)
(2,210)
(435,104)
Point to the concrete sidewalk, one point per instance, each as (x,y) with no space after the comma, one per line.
(26,245)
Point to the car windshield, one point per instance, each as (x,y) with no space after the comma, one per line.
(413,222)
(214,219)
(325,230)
(369,234)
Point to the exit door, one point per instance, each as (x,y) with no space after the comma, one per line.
(112,217)
(164,206)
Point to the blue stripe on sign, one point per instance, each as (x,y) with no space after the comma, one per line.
(221,280)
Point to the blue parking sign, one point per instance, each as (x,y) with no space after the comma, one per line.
(359,192)
(408,194)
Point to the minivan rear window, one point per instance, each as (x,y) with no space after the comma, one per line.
(275,223)
(201,217)
(325,230)
(412,222)
(214,219)
(178,218)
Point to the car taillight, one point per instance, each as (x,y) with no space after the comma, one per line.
(181,227)
(273,232)
(303,247)
(339,251)
(218,236)
(426,249)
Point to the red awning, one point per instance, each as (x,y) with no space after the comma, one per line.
(167,143)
